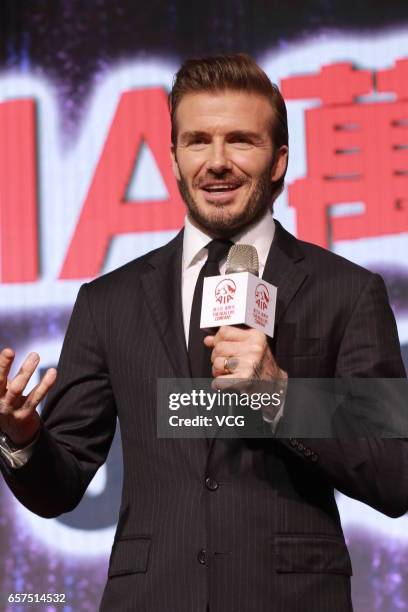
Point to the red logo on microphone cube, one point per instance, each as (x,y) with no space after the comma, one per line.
(262,298)
(225,291)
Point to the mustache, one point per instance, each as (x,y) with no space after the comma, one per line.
(226,177)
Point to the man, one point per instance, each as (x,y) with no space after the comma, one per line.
(227,525)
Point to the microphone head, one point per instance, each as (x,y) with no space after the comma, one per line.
(242,258)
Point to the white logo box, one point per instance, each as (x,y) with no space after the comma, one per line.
(237,299)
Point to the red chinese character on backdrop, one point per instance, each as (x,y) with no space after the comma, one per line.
(357,152)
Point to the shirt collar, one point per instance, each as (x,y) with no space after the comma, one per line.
(259,234)
(194,241)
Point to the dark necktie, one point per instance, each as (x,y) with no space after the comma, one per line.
(199,354)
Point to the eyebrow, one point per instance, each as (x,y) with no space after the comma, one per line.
(245,134)
(186,136)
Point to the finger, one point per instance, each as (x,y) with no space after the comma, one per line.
(218,367)
(232,333)
(19,382)
(227,365)
(40,391)
(209,341)
(6,359)
(226,349)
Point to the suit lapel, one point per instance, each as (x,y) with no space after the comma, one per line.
(285,268)
(162,285)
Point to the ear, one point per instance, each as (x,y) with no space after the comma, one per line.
(281,163)
(174,164)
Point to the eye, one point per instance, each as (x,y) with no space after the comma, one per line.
(198,142)
(241,141)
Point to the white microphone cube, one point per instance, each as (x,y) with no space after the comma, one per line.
(239,299)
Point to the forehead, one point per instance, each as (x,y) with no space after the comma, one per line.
(224,111)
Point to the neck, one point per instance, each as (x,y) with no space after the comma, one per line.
(227,233)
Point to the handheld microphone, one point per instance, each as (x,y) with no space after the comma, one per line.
(242,258)
(239,297)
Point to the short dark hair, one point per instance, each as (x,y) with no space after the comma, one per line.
(237,72)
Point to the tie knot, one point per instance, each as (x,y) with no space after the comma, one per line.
(218,249)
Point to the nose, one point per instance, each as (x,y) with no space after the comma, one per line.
(218,160)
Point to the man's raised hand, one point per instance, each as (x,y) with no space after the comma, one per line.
(19,419)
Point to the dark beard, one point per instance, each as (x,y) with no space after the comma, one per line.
(222,224)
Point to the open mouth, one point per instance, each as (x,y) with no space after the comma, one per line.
(220,191)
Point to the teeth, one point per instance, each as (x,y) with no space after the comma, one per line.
(220,188)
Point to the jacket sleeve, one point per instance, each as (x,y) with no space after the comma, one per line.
(370,468)
(78,424)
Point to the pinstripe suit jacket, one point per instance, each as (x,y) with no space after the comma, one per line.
(240,524)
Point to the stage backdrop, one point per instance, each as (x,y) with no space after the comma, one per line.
(86,185)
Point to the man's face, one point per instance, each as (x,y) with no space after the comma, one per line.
(224,159)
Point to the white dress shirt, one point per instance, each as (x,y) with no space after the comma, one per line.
(260,235)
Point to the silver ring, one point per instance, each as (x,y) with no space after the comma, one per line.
(230,364)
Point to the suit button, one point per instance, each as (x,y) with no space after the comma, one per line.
(293,442)
(308,452)
(202,556)
(211,484)
(301,446)
(314,457)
